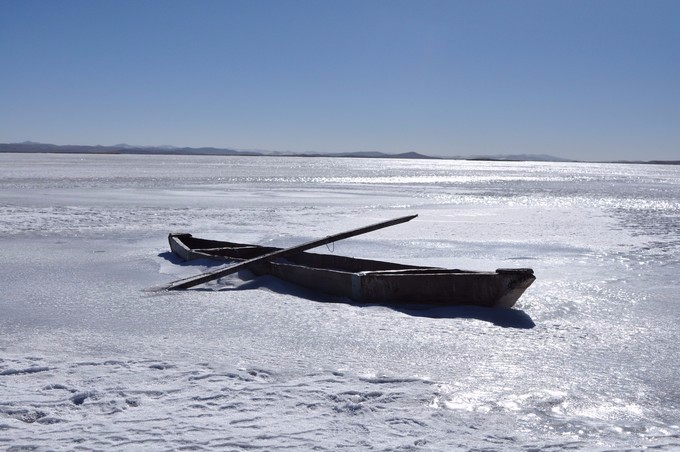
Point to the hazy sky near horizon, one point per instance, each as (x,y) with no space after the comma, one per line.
(590,80)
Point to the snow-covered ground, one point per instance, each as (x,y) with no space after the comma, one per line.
(91,358)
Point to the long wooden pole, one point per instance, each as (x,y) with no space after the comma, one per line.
(220,272)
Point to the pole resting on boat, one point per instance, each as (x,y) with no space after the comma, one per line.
(220,272)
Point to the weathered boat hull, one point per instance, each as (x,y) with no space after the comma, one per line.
(369,281)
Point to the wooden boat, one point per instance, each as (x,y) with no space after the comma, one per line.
(368,281)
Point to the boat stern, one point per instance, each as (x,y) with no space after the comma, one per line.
(518,280)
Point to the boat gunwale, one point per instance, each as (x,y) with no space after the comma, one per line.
(290,261)
(387,283)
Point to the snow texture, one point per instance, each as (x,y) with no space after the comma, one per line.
(92,358)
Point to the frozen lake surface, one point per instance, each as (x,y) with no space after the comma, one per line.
(588,359)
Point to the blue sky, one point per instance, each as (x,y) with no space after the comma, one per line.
(592,80)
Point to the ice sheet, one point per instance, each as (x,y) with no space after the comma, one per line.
(89,357)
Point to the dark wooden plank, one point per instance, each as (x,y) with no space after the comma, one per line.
(220,272)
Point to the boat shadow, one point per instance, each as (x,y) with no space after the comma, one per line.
(502,317)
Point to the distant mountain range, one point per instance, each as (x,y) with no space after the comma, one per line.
(32,147)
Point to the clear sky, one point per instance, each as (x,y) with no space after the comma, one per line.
(592,80)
